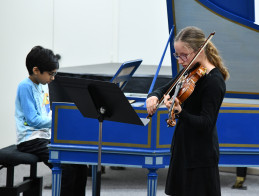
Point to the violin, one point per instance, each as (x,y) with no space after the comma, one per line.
(186,88)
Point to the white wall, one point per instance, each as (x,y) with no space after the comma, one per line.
(23,24)
(82,31)
(143,30)
(99,31)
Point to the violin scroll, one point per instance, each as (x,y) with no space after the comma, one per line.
(171,122)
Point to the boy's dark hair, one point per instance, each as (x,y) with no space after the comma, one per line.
(42,58)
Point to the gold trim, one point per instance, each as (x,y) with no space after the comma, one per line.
(55,124)
(56,140)
(158,145)
(248,93)
(173,10)
(226,17)
(240,111)
(245,112)
(240,145)
(57,107)
(175,32)
(239,105)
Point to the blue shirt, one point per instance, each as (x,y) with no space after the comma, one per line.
(32,111)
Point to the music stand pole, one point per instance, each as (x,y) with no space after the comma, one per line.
(99,167)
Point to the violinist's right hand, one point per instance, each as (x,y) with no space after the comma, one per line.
(151,104)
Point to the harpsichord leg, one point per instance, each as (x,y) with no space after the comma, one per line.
(94,172)
(152,182)
(56,179)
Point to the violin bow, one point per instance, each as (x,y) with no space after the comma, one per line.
(161,101)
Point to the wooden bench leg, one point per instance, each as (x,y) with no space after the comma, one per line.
(31,186)
(10,176)
(9,188)
(10,191)
(35,188)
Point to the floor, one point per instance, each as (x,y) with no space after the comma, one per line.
(134,181)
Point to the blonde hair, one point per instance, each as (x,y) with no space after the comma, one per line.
(194,38)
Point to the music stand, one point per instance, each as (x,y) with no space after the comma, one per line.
(103,101)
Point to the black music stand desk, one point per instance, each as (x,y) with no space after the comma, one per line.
(99,100)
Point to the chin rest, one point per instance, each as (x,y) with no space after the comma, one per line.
(32,185)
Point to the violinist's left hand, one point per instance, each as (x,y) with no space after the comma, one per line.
(167,101)
(177,107)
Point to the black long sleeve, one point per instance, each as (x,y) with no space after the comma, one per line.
(159,92)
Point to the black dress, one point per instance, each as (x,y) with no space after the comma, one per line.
(193,169)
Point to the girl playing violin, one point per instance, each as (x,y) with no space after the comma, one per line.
(193,169)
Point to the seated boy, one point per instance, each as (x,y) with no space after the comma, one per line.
(33,117)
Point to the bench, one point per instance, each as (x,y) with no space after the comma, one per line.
(31,185)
